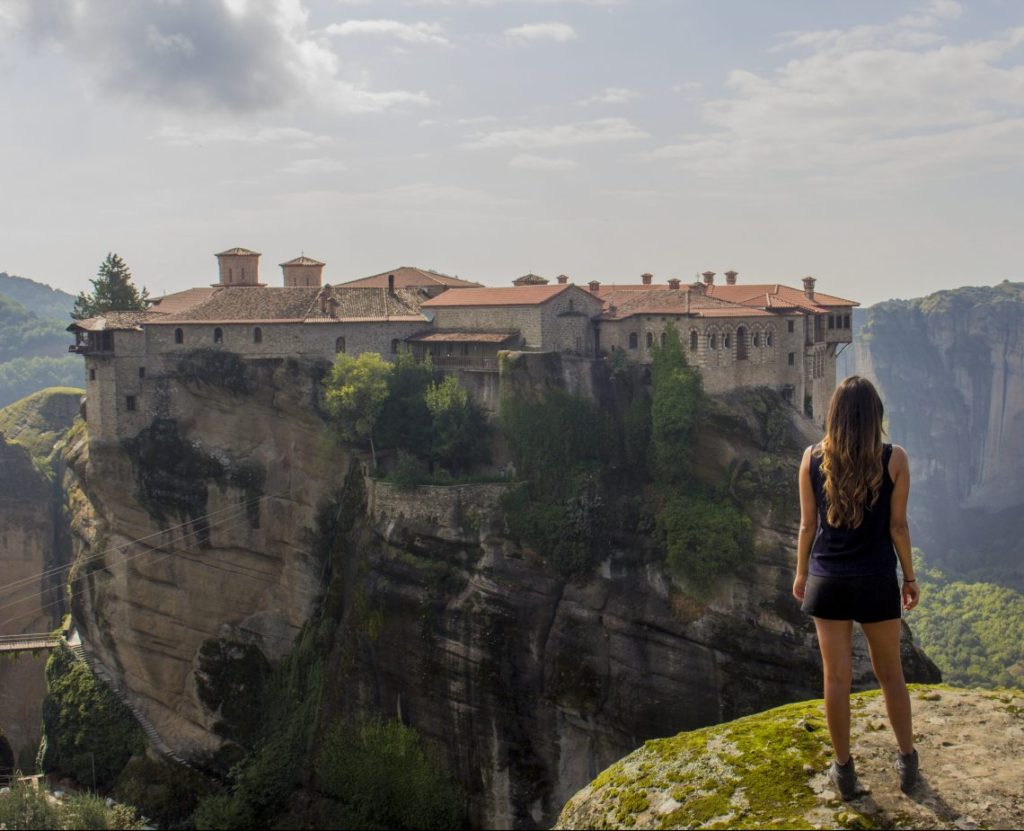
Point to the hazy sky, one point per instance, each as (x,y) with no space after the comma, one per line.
(876,145)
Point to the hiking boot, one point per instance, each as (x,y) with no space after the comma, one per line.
(844,778)
(907,768)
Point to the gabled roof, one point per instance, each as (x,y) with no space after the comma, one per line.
(514,296)
(181,301)
(777,296)
(110,321)
(238,252)
(658,300)
(303,260)
(410,277)
(530,280)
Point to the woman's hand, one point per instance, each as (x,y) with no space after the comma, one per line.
(911,594)
(799,586)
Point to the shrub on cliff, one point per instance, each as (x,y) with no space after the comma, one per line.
(385,776)
(460,435)
(86,727)
(357,389)
(676,398)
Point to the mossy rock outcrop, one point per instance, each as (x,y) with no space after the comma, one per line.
(767,771)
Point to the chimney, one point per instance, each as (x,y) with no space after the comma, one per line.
(612,310)
(647,278)
(563,279)
(730,278)
(595,286)
(709,278)
(391,284)
(809,287)
(674,284)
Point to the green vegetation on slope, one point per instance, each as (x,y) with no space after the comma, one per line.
(40,420)
(23,376)
(973,631)
(86,728)
(24,334)
(30,808)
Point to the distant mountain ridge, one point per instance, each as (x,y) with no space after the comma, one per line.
(38,298)
(33,340)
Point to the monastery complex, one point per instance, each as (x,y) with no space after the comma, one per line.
(737,334)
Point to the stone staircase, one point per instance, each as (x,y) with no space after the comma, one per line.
(100,673)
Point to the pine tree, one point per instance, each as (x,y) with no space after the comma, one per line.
(112,291)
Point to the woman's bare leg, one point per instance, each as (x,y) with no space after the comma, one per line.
(884,646)
(835,639)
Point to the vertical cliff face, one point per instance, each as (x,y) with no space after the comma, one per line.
(205,542)
(951,370)
(33,546)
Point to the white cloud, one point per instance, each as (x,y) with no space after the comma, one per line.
(889,100)
(421,32)
(316,165)
(601,130)
(175,135)
(611,95)
(532,32)
(526,161)
(217,55)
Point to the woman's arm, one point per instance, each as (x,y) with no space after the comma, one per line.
(899,528)
(808,525)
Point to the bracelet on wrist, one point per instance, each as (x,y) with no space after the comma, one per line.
(909,580)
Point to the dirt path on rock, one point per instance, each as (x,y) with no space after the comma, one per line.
(971,745)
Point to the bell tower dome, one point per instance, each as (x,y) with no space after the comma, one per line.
(302,272)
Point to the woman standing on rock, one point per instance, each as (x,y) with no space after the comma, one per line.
(853,514)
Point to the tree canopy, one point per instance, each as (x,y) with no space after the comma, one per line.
(112,291)
(357,389)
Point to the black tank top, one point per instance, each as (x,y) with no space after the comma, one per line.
(851,552)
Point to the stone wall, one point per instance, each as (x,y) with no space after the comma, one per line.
(448,510)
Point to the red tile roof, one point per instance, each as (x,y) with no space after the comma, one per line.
(514,296)
(410,277)
(462,337)
(238,252)
(775,295)
(303,260)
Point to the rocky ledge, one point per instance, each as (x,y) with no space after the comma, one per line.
(766,771)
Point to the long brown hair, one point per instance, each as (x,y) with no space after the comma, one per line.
(851,452)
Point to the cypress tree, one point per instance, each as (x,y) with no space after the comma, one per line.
(112,291)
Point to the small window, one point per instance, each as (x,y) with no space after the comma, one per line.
(650,340)
(846,321)
(571,306)
(768,339)
(664,339)
(789,325)
(394,346)
(792,358)
(694,340)
(257,335)
(218,335)
(339,345)
(633,340)
(129,403)
(92,374)
(726,341)
(713,341)
(142,372)
(231,274)
(465,349)
(756,339)
(179,336)
(243,274)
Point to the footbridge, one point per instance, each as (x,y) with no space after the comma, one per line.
(28,643)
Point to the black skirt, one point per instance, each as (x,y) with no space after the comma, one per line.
(868,599)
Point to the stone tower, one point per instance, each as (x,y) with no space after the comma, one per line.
(239,267)
(302,272)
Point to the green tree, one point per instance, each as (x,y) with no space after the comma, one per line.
(357,388)
(112,291)
(461,434)
(676,396)
(404,422)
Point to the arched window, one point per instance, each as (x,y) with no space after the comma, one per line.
(726,341)
(664,339)
(768,339)
(339,345)
(243,274)
(394,346)
(650,340)
(231,275)
(757,339)
(713,340)
(218,335)
(741,344)
(257,335)
(179,336)
(694,340)
(633,340)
